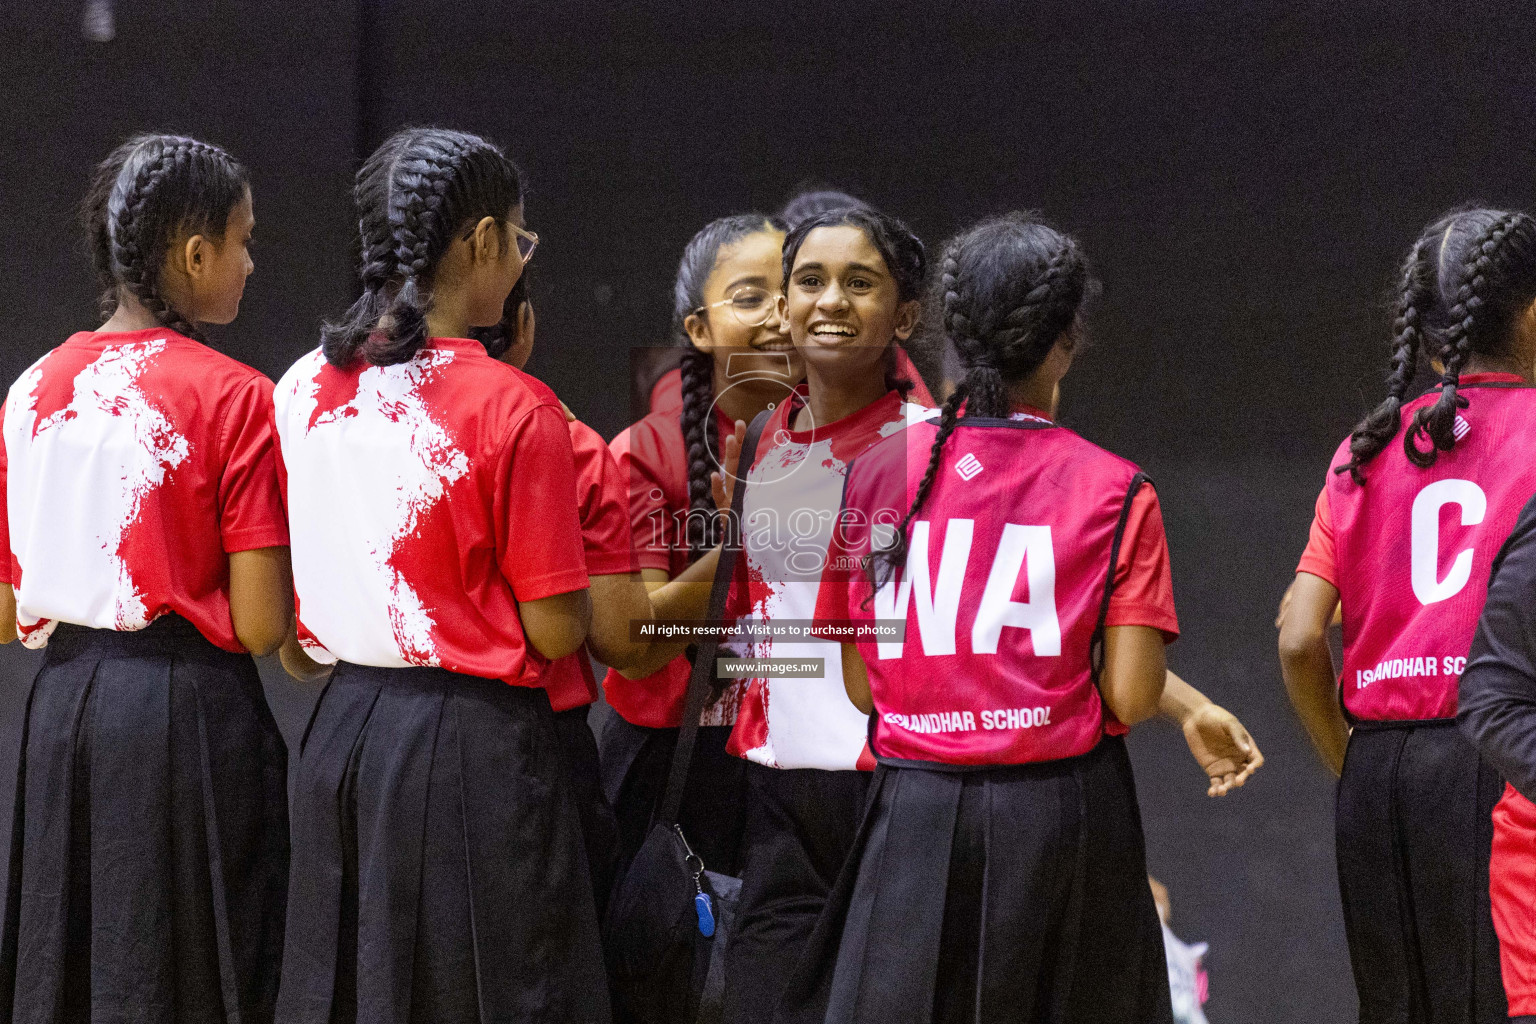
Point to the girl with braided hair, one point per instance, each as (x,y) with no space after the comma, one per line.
(1405,535)
(438,563)
(736,363)
(1002,838)
(146,551)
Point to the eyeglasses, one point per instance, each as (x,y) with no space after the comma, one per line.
(527,241)
(750,305)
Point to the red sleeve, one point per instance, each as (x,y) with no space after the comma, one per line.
(6,573)
(643,462)
(667,392)
(251,513)
(1318,559)
(603,501)
(538,534)
(1143,594)
(840,574)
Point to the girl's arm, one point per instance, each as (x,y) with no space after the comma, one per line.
(1496,703)
(7,613)
(260,598)
(856,679)
(655,596)
(1134,672)
(1220,744)
(1307,665)
(296,660)
(557,625)
(685,597)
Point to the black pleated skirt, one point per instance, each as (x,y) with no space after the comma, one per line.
(438,870)
(1003,895)
(801,823)
(149,851)
(1414,831)
(599,831)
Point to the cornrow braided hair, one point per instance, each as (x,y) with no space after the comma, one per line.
(1010,288)
(416,190)
(142,197)
(905,259)
(1376,431)
(1494,279)
(701,432)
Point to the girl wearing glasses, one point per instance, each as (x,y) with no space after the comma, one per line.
(667,392)
(439,564)
(735,364)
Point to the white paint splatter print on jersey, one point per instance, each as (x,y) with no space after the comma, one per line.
(788,526)
(390,463)
(85,470)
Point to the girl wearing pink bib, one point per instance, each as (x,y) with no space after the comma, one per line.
(1405,536)
(1002,841)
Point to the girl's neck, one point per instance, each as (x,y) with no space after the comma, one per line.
(1036,392)
(831,400)
(745,399)
(447,317)
(130,315)
(1497,364)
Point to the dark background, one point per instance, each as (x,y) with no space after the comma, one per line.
(1245,177)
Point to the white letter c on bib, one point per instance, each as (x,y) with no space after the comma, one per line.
(1425,537)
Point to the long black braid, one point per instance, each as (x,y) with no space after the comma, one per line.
(701,431)
(416,190)
(1010,288)
(1415,290)
(142,197)
(1466,279)
(1494,280)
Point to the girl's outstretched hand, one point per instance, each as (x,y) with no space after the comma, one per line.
(723,485)
(1222,747)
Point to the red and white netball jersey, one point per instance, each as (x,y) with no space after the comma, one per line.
(426,499)
(793,493)
(134,464)
(1410,552)
(653,462)
(1003,588)
(602,505)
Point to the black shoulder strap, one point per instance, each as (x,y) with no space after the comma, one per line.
(704,664)
(1096,646)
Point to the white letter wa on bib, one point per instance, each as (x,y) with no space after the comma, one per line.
(938,600)
(1425,538)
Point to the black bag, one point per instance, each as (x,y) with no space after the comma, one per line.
(670,919)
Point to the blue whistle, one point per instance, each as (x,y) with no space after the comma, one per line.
(706,912)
